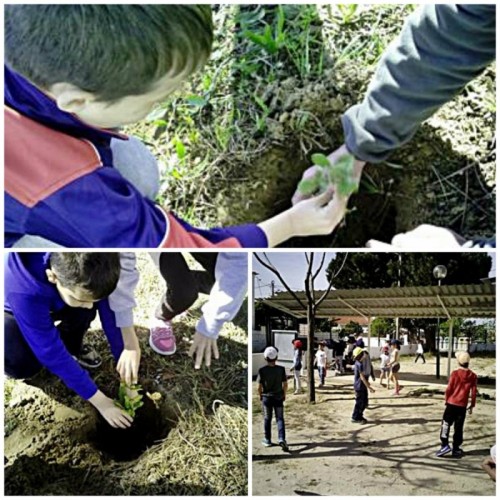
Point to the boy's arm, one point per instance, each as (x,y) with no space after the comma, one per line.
(365,381)
(37,327)
(260,390)
(285,388)
(473,395)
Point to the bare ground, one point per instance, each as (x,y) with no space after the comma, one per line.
(394,454)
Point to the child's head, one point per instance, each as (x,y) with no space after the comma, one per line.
(322,346)
(358,353)
(107,64)
(83,278)
(395,344)
(463,359)
(297,344)
(271,355)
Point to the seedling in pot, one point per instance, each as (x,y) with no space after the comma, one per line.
(129,398)
(339,174)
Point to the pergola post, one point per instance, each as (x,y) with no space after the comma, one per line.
(450,346)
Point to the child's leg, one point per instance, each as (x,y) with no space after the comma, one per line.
(137,164)
(267,411)
(280,420)
(458,435)
(446,423)
(296,375)
(20,361)
(74,322)
(182,290)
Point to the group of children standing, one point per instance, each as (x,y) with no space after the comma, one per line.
(272,387)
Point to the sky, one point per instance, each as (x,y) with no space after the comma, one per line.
(292,266)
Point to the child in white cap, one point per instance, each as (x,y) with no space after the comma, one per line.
(272,392)
(461,386)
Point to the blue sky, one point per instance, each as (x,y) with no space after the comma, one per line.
(292,266)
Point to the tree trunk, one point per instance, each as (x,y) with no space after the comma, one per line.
(310,352)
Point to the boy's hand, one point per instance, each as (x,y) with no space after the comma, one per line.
(333,157)
(111,413)
(470,409)
(203,347)
(128,365)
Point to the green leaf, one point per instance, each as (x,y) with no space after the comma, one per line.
(180,149)
(307,187)
(321,160)
(196,101)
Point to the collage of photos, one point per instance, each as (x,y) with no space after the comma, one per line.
(246,245)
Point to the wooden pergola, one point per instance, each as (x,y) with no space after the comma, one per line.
(446,301)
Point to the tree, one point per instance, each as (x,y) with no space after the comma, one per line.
(382,327)
(352,328)
(311,304)
(382,270)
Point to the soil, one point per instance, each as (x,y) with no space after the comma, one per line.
(235,171)
(393,454)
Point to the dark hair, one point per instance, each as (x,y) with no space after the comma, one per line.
(96,272)
(109,50)
(464,365)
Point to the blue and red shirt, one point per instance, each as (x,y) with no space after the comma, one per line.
(31,298)
(60,184)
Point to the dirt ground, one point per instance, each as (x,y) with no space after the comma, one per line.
(54,445)
(393,454)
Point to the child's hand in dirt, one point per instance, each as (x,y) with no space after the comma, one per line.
(111,413)
(333,157)
(128,365)
(203,347)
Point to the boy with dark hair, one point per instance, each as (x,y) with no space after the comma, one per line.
(272,392)
(73,74)
(69,288)
(461,386)
(361,386)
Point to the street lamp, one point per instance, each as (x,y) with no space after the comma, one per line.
(254,277)
(439,273)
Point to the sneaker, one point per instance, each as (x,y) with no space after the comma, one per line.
(283,445)
(458,453)
(162,338)
(443,451)
(88,358)
(360,421)
(267,442)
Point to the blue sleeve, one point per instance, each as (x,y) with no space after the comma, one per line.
(103,210)
(440,49)
(37,327)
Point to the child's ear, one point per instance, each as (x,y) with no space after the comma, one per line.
(51,276)
(70,98)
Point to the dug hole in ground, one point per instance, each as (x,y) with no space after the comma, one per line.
(393,454)
(192,441)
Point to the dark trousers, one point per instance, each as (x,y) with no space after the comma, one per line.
(184,284)
(419,356)
(322,374)
(268,404)
(453,416)
(361,403)
(21,362)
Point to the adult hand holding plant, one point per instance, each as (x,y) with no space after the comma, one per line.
(339,171)
(130,358)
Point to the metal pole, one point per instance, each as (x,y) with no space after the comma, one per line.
(438,357)
(450,346)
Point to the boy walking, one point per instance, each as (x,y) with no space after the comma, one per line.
(361,386)
(320,362)
(272,392)
(462,385)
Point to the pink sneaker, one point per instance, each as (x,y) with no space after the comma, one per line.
(162,338)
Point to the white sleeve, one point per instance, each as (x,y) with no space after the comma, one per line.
(227,294)
(122,300)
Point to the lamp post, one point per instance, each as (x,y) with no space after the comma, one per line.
(439,273)
(254,276)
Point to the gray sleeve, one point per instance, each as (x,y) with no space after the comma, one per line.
(227,294)
(440,49)
(122,301)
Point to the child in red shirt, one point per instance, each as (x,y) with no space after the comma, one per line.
(462,384)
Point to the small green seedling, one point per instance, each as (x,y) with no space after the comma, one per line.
(340,175)
(129,398)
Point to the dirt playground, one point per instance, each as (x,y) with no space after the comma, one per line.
(393,454)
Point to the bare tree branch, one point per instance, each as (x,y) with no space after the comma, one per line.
(320,266)
(271,268)
(330,284)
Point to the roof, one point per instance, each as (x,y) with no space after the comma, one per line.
(465,301)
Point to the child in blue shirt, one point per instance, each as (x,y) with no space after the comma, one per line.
(41,289)
(361,386)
